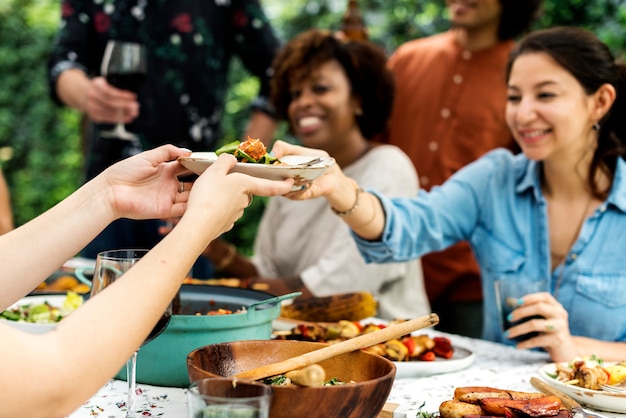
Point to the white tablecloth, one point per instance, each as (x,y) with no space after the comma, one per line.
(495,365)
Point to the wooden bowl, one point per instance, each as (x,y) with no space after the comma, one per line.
(372,376)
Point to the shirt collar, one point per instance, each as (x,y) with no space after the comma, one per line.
(527,175)
(617,197)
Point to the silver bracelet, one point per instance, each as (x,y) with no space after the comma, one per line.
(353,208)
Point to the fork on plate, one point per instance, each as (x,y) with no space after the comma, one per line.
(613,389)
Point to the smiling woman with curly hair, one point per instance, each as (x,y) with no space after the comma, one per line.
(336,96)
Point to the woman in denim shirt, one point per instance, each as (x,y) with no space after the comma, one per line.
(558,210)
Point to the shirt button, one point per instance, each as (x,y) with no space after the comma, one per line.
(467,55)
(424,180)
(433,146)
(573,256)
(457,79)
(445,113)
(603,207)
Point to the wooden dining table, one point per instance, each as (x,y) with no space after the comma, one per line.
(494,365)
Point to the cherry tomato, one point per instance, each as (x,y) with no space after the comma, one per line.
(443,347)
(358,325)
(427,356)
(409,344)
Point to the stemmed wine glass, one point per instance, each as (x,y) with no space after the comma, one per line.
(110,266)
(124,65)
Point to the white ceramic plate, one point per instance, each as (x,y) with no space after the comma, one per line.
(596,399)
(293,166)
(33,328)
(462,359)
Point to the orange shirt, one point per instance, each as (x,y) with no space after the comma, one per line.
(448,111)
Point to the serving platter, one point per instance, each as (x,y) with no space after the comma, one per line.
(596,399)
(462,359)
(303,169)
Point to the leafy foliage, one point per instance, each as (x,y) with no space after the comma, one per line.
(40,147)
(40,139)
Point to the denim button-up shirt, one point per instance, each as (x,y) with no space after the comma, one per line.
(497,205)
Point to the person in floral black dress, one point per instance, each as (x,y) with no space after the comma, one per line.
(190,46)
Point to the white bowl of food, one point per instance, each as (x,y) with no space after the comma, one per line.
(40,314)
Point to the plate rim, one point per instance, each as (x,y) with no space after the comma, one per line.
(457,364)
(40,299)
(212,157)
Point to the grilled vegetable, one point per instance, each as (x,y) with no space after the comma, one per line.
(482,401)
(617,374)
(345,306)
(396,350)
(538,407)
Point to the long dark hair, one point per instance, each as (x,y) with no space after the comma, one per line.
(590,61)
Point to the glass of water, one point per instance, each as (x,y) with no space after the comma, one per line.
(228,398)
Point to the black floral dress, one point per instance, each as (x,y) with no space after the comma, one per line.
(190,45)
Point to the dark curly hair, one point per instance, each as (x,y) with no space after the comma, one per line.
(592,64)
(364,63)
(517,17)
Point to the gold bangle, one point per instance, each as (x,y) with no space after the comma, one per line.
(353,208)
(371,219)
(228,258)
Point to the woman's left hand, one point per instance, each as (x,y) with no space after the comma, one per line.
(326,185)
(553,328)
(146,185)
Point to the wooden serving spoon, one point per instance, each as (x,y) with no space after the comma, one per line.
(353,344)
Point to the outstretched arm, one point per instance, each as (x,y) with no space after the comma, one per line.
(90,345)
(362,211)
(144,186)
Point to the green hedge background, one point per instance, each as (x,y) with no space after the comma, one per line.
(39,143)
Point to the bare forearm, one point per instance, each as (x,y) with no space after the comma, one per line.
(72,86)
(607,350)
(228,261)
(282,286)
(54,237)
(6,217)
(6,213)
(362,211)
(116,315)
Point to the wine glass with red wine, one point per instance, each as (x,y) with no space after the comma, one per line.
(124,65)
(110,266)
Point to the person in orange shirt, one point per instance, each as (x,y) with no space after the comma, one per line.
(449,110)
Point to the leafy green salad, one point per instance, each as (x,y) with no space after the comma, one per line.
(43,313)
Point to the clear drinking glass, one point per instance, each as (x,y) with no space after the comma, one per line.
(124,65)
(228,398)
(509,290)
(110,266)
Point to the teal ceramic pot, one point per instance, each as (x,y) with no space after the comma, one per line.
(163,361)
